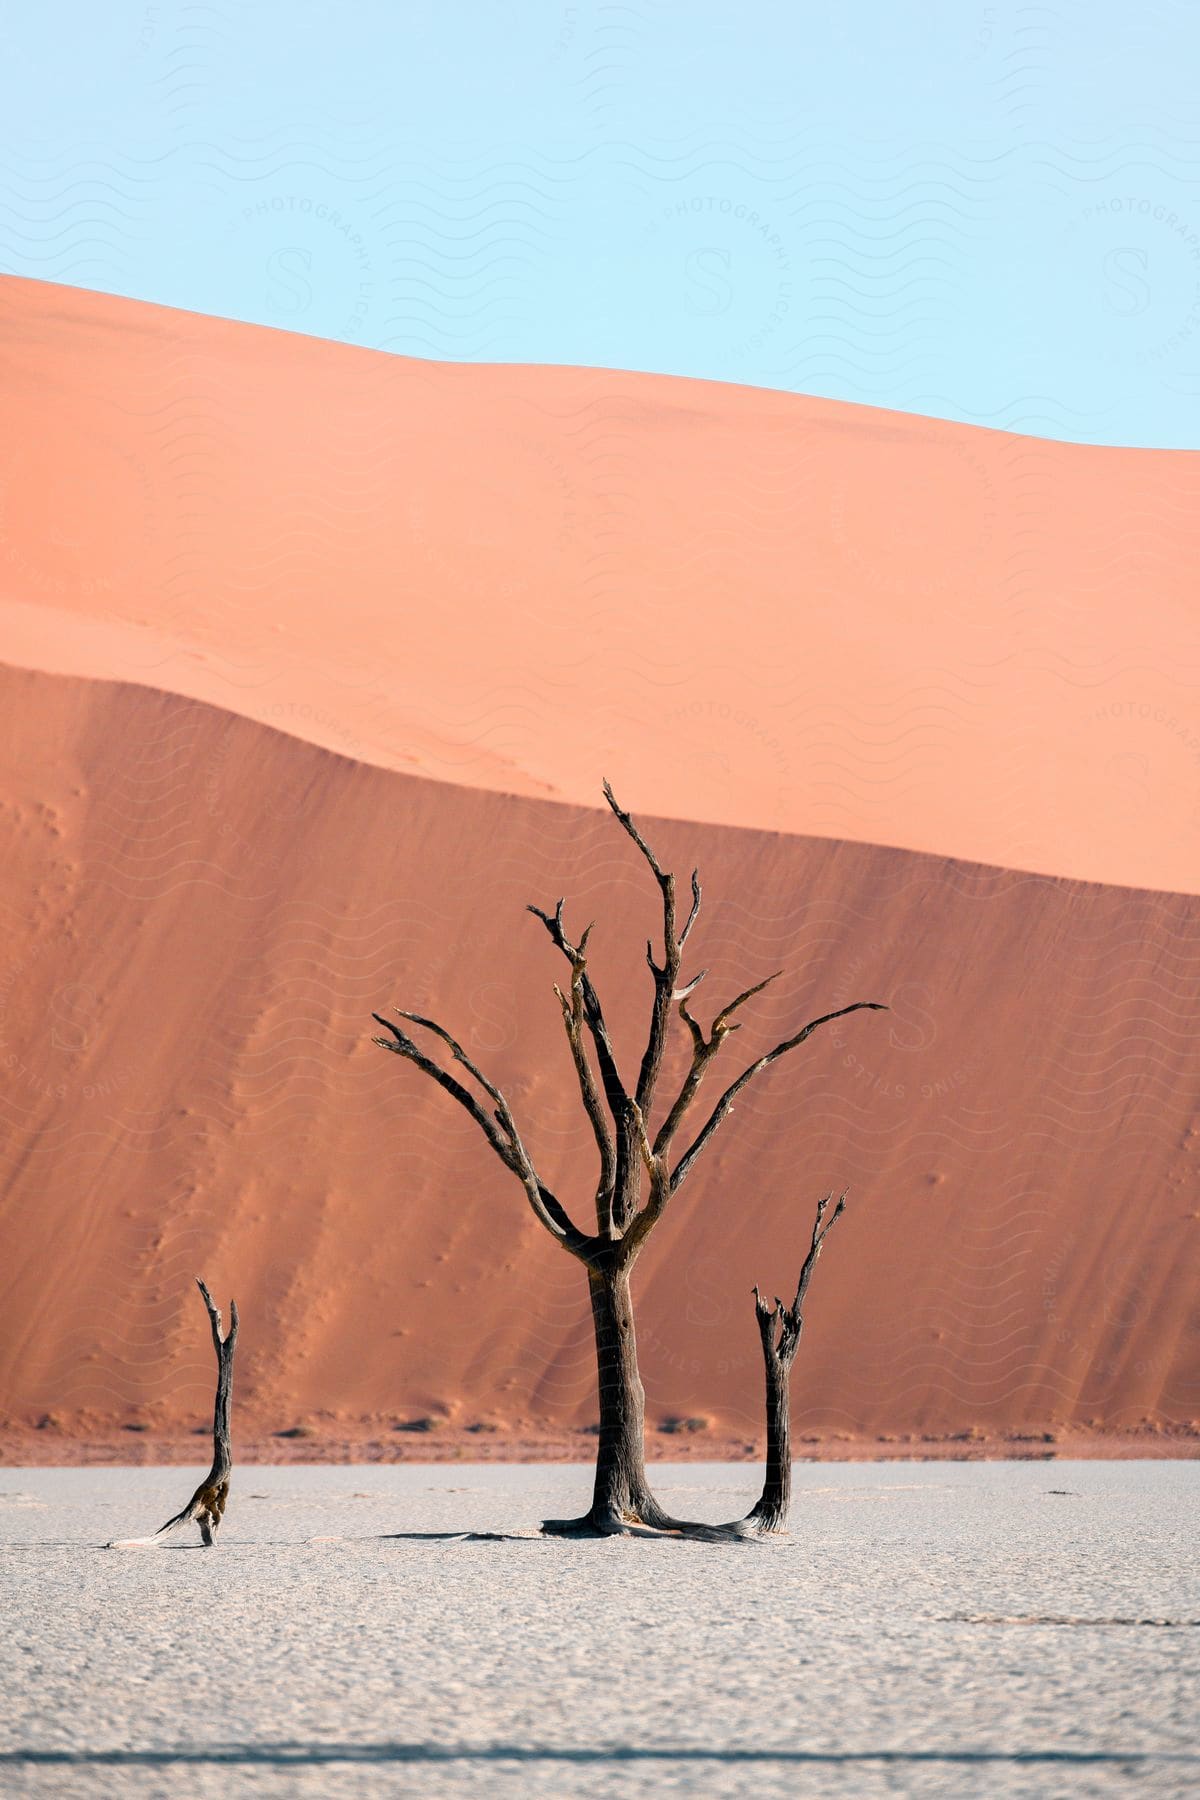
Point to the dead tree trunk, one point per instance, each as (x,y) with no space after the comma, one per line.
(207,1504)
(633,1155)
(621,1491)
(779,1327)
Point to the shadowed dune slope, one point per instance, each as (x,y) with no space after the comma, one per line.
(197,916)
(750,607)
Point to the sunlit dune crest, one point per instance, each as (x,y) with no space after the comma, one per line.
(744,607)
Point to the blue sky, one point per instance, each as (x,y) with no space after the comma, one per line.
(985,213)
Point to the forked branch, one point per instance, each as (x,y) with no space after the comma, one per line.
(703,1051)
(657,1169)
(593,1012)
(573,1020)
(402,1045)
(779,1325)
(500,1130)
(616,1097)
(724,1105)
(666,973)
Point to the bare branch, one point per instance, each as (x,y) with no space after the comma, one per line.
(790,1319)
(214,1320)
(703,1051)
(404,1046)
(725,1103)
(573,1018)
(721,1022)
(699,1041)
(766,1314)
(666,976)
(657,1168)
(564,1228)
(691,918)
(459,1054)
(819,1234)
(508,1147)
(614,1089)
(627,824)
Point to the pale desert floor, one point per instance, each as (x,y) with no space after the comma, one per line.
(953,1630)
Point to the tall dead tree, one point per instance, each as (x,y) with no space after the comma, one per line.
(207,1504)
(639,1169)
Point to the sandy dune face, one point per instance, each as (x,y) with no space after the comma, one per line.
(348,624)
(198,915)
(747,607)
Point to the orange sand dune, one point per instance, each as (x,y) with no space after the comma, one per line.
(197,915)
(746,607)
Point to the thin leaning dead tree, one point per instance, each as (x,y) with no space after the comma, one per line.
(639,1169)
(207,1504)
